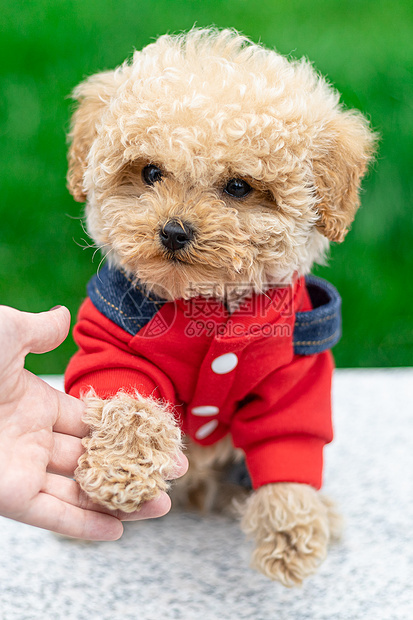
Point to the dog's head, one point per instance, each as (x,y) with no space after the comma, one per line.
(209,160)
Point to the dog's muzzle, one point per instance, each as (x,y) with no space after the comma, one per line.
(175,235)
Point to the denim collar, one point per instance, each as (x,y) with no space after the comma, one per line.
(127,304)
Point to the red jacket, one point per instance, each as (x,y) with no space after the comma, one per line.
(223,373)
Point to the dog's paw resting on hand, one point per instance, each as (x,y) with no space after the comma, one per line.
(131,450)
(292,526)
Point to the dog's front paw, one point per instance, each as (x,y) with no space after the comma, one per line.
(292,525)
(130,453)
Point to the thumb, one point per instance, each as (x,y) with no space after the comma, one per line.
(44,331)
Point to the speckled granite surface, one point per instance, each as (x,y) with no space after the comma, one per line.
(186,567)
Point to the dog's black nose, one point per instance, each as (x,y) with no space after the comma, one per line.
(175,235)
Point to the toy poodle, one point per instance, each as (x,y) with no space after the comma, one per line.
(215,174)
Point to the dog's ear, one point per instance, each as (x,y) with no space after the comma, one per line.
(343,149)
(92,95)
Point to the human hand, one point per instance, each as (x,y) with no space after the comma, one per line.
(40,439)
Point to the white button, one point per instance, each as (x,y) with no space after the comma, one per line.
(224,363)
(205,410)
(206,430)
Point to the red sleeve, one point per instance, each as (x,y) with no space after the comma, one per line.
(105,361)
(284,428)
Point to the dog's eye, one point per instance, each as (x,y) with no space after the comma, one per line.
(237,188)
(151,174)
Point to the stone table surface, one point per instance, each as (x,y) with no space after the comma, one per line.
(189,567)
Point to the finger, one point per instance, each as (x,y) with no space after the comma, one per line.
(153,509)
(70,492)
(44,331)
(70,413)
(66,451)
(181,466)
(51,513)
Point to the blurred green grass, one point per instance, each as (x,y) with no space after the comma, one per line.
(364,47)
